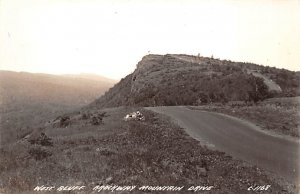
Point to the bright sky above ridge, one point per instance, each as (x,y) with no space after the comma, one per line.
(110,37)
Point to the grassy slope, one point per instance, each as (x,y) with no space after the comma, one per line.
(279,115)
(153,152)
(28,100)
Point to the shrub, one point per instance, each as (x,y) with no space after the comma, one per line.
(39,153)
(43,140)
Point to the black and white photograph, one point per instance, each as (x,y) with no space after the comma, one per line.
(149,96)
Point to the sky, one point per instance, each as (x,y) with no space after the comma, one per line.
(110,37)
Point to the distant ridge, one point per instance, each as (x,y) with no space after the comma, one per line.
(92,76)
(58,89)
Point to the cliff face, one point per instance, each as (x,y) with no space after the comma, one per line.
(193,80)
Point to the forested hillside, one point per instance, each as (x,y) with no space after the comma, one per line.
(191,80)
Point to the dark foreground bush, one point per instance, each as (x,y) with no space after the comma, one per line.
(39,153)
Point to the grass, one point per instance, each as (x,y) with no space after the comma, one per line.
(152,152)
(278,115)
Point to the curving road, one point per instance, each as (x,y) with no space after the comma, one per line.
(239,139)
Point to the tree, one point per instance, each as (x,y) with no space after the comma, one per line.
(259,90)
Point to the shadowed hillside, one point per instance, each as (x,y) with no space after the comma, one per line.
(190,80)
(26,99)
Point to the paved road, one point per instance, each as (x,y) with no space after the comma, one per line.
(239,139)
